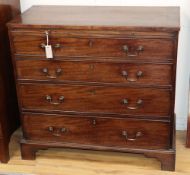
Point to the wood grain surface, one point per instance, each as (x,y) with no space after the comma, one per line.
(97,72)
(102,17)
(29,43)
(96,99)
(68,162)
(97,131)
(9,115)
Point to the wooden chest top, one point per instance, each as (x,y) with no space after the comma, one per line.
(91,17)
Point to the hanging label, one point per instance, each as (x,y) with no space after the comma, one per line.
(49,52)
(48,48)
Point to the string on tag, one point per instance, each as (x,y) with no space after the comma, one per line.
(48,48)
(47,37)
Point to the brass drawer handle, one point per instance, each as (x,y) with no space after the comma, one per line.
(42,45)
(58,72)
(94,122)
(126,75)
(57,131)
(137,135)
(139,103)
(50,129)
(131,53)
(57,46)
(50,100)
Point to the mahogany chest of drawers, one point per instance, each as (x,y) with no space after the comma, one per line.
(110,84)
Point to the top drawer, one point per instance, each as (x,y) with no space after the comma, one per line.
(32,43)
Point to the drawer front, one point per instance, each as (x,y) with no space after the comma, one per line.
(98,131)
(96,99)
(161,49)
(125,73)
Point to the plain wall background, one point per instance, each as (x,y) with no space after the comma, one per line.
(183,69)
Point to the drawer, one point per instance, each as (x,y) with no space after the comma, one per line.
(126,48)
(125,73)
(96,99)
(97,131)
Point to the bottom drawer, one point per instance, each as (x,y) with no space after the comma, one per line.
(111,132)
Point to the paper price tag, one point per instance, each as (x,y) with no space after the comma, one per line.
(49,52)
